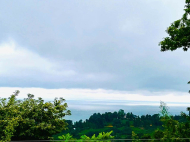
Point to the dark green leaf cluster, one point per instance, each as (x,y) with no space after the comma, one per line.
(179,33)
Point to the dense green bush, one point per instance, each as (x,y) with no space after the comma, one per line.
(31,119)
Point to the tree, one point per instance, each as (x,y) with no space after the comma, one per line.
(97,121)
(188,109)
(184,127)
(121,114)
(179,33)
(172,128)
(164,110)
(79,124)
(31,119)
(70,124)
(137,123)
(127,123)
(117,123)
(115,115)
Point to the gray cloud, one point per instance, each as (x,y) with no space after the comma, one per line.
(92,44)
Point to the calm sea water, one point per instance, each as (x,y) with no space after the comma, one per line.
(84,109)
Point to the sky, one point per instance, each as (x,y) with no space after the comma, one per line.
(92,50)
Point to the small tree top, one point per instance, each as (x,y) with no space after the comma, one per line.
(188,108)
(179,33)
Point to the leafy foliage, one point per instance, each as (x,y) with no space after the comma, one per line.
(179,33)
(101,136)
(173,130)
(31,119)
(158,134)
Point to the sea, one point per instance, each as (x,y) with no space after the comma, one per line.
(82,110)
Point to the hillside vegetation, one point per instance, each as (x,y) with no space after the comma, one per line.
(122,124)
(35,120)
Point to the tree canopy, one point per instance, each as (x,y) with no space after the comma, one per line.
(179,33)
(31,119)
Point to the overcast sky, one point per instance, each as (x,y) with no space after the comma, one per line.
(81,49)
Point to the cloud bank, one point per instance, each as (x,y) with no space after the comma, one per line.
(108,45)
